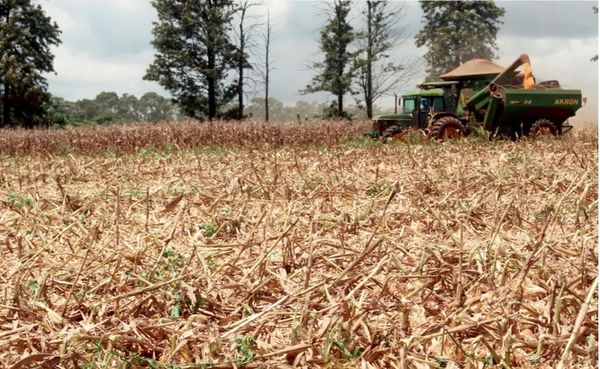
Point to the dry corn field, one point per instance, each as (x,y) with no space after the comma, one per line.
(133,138)
(356,254)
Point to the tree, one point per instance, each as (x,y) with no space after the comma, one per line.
(57,111)
(267,67)
(194,54)
(457,31)
(241,54)
(335,72)
(85,110)
(374,76)
(26,35)
(107,102)
(155,108)
(108,107)
(595,57)
(258,104)
(128,109)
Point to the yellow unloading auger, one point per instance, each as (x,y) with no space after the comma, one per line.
(528,81)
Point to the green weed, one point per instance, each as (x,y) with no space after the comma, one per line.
(174,260)
(225,211)
(210,150)
(362,142)
(339,340)
(34,286)
(347,352)
(245,349)
(208,228)
(19,200)
(133,191)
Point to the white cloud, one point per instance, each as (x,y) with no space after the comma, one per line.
(80,75)
(66,20)
(278,10)
(131,6)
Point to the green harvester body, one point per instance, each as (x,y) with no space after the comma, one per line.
(490,97)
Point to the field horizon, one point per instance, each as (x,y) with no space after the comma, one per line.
(130,138)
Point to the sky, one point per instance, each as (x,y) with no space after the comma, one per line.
(106,46)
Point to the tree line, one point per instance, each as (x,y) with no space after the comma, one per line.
(208,55)
(109,107)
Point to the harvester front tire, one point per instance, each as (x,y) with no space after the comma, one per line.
(394,132)
(543,127)
(446,128)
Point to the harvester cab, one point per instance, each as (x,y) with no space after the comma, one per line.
(417,109)
(503,101)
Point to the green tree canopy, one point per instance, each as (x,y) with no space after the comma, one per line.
(194,54)
(109,107)
(335,72)
(26,36)
(107,102)
(457,31)
(155,108)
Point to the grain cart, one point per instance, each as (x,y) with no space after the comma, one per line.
(479,93)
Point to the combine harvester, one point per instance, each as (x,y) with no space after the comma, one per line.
(480,93)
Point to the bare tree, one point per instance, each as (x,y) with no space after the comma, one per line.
(244,48)
(267,65)
(595,57)
(375,75)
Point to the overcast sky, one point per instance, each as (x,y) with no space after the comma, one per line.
(106,45)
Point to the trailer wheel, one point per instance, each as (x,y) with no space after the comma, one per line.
(446,128)
(543,127)
(394,132)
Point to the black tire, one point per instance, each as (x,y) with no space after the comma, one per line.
(446,128)
(543,127)
(393,132)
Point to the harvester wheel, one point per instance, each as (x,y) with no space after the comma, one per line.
(446,128)
(394,132)
(543,127)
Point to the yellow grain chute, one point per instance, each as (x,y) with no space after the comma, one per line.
(528,81)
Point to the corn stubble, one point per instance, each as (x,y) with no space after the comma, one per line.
(406,255)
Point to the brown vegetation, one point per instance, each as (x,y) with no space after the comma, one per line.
(126,139)
(467,254)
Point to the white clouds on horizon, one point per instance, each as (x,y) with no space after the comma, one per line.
(83,76)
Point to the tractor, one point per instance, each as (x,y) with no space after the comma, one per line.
(504,102)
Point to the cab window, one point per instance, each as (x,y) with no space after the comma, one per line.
(428,102)
(408,105)
(438,104)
